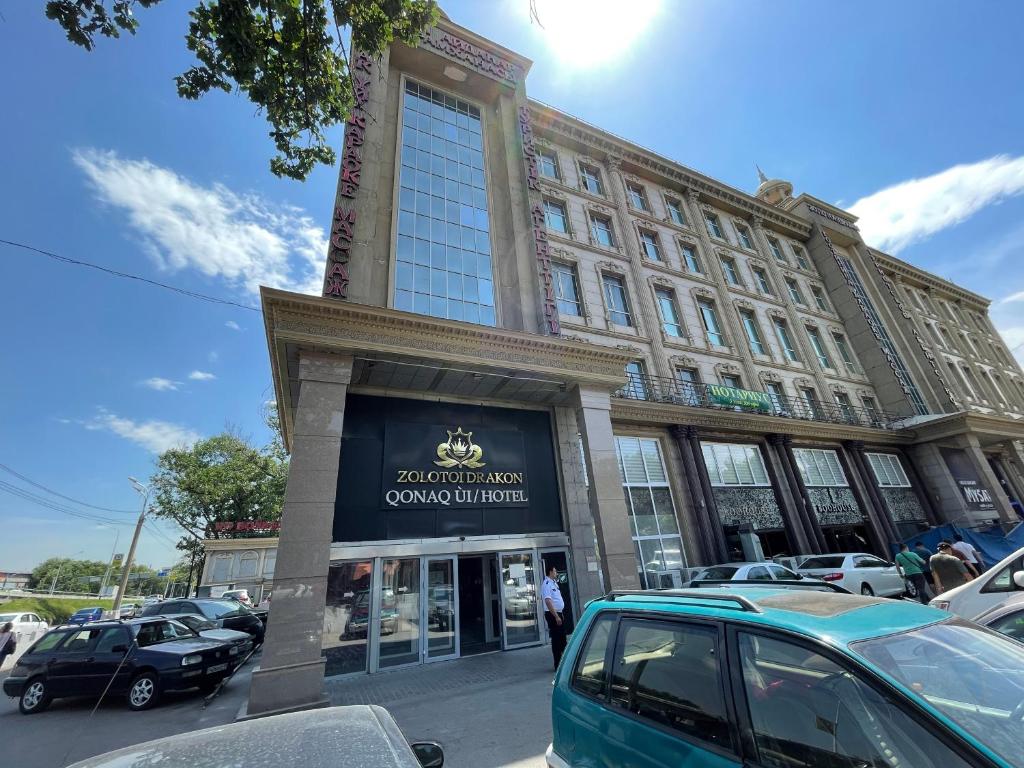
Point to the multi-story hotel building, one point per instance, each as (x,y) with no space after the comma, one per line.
(540,344)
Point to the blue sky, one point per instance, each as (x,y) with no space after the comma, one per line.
(907,112)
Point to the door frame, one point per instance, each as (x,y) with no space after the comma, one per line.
(425,561)
(568,577)
(505,645)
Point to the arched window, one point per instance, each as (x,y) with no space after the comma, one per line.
(221,570)
(248,564)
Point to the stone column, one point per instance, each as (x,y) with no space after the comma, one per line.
(607,503)
(1010,462)
(291,671)
(972,446)
(700,507)
(883,529)
(810,517)
(715,519)
(788,502)
(922,492)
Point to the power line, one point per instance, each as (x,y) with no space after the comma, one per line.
(42,487)
(43,502)
(128,276)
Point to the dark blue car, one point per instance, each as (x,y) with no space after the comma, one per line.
(86,615)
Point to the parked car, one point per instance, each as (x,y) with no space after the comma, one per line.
(1001,585)
(86,615)
(129,611)
(858,572)
(241,595)
(227,613)
(359,736)
(145,658)
(359,619)
(766,571)
(1009,620)
(204,627)
(28,627)
(762,676)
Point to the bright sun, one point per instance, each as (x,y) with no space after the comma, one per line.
(586,33)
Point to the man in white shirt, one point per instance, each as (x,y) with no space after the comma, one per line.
(969,553)
(551,596)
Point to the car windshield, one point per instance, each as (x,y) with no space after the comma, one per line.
(971,674)
(5,617)
(222,609)
(86,611)
(834,561)
(719,572)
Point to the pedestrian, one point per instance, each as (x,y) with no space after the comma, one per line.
(923,552)
(948,571)
(8,643)
(963,559)
(553,607)
(913,568)
(969,552)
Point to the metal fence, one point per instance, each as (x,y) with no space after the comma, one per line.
(659,389)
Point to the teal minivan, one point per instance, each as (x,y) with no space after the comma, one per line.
(766,677)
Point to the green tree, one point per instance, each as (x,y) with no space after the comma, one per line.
(71,575)
(287,56)
(220,479)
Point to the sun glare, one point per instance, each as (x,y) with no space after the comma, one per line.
(588,33)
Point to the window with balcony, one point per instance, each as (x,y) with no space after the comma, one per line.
(567,289)
(818,346)
(675,212)
(555,217)
(761,278)
(845,406)
(776,250)
(730,464)
(637,197)
(871,407)
(777,395)
(732,275)
(709,318)
(809,399)
(650,245)
(744,235)
(713,225)
(819,299)
(690,259)
(688,379)
(844,352)
(636,380)
(601,230)
(547,162)
(669,313)
(753,332)
(794,291)
(590,180)
(785,341)
(615,298)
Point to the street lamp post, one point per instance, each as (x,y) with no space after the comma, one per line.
(144,492)
(60,567)
(110,562)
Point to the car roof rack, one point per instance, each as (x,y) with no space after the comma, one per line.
(817,586)
(680,596)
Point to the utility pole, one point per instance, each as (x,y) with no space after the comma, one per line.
(110,563)
(144,492)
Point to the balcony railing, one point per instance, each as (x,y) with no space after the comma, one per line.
(658,389)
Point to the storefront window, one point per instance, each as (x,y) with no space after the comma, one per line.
(649,503)
(888,470)
(347,617)
(820,468)
(730,465)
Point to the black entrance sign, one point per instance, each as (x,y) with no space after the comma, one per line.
(976,496)
(420,469)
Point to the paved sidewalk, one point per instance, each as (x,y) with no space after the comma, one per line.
(489,711)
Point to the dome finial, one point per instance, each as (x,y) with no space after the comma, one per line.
(760,174)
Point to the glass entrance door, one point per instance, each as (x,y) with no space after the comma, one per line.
(399,612)
(440,620)
(518,599)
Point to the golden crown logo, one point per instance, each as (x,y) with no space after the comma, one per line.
(459,451)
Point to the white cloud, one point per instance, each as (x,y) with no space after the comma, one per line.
(201,376)
(240,237)
(897,216)
(160,384)
(213,356)
(233,325)
(153,435)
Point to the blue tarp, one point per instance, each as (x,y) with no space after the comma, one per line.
(992,544)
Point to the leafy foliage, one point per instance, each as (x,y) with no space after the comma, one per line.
(87,576)
(54,610)
(288,56)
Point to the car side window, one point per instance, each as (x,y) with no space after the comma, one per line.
(591,673)
(80,641)
(1003,581)
(806,710)
(668,673)
(781,573)
(1012,625)
(110,638)
(49,642)
(149,634)
(869,562)
(758,573)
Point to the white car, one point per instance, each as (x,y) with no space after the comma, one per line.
(858,572)
(1000,586)
(766,571)
(28,627)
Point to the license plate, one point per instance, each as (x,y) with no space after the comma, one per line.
(217,668)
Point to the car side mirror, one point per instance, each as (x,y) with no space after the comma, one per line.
(119,649)
(1018,579)
(429,754)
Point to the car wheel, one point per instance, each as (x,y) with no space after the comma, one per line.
(865,589)
(143,692)
(34,697)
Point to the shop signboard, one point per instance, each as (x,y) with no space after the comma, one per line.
(732,397)
(976,496)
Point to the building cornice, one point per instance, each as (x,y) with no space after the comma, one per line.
(965,422)
(907,270)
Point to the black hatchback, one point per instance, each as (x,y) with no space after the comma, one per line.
(140,658)
(227,613)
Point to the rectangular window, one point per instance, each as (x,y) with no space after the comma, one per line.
(567,289)
(753,334)
(845,407)
(819,299)
(675,212)
(615,297)
(730,380)
(650,507)
(844,352)
(809,399)
(547,161)
(555,217)
(744,235)
(818,346)
(801,257)
(669,314)
(794,291)
(820,468)
(729,464)
(710,319)
(691,260)
(888,470)
(637,197)
(636,381)
(714,228)
(650,245)
(776,249)
(871,407)
(688,380)
(601,230)
(777,395)
(782,334)
(590,178)
(443,253)
(762,281)
(732,276)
